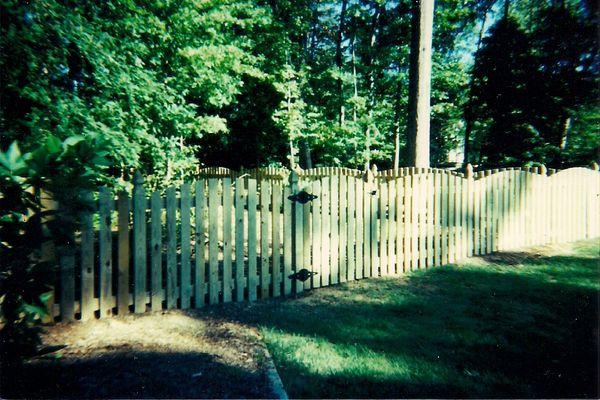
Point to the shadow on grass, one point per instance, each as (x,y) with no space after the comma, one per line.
(510,329)
(133,374)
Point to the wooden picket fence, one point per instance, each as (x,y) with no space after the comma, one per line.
(237,236)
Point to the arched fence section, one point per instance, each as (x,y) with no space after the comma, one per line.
(248,235)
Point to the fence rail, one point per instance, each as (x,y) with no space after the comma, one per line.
(238,236)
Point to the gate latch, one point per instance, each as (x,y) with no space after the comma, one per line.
(302,197)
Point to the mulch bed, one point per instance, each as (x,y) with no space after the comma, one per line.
(171,354)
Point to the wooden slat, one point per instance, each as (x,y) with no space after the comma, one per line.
(430,219)
(298,236)
(67,282)
(252,240)
(392,227)
(186,237)
(489,198)
(325,229)
(276,238)
(351,229)
(343,228)
(105,248)
(478,231)
(316,234)
(580,206)
(422,214)
(200,249)
(367,229)
(458,208)
(240,203)
(462,217)
(451,218)
(399,233)
(407,246)
(156,251)
(265,237)
(500,213)
(334,226)
(171,248)
(469,211)
(437,218)
(505,214)
(553,200)
(123,254)
(521,208)
(495,211)
(214,202)
(227,240)
(359,189)
(87,265)
(139,245)
(483,210)
(383,227)
(287,240)
(306,240)
(444,216)
(511,211)
(374,229)
(415,206)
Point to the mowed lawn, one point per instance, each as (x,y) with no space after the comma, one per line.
(522,324)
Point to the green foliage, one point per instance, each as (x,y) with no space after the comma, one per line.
(65,169)
(174,85)
(531,86)
(142,75)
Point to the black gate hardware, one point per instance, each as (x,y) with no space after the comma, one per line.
(302,275)
(302,197)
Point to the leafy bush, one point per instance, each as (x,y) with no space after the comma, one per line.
(63,169)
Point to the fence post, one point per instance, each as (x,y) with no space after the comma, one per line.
(123,254)
(139,240)
(105,247)
(87,301)
(298,233)
(469,190)
(48,250)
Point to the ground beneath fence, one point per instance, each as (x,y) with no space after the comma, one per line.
(520,324)
(161,355)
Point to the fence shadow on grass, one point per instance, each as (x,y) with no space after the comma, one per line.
(508,330)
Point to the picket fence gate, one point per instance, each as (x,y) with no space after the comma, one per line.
(239,236)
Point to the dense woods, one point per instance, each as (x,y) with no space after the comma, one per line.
(170,86)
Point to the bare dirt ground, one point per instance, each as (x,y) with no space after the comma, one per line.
(160,355)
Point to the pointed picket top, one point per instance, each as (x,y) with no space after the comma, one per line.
(138,179)
(542,169)
(293,177)
(469,171)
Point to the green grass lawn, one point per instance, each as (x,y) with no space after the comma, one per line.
(521,324)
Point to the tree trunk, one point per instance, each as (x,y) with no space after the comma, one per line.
(306,156)
(397,147)
(339,59)
(468,110)
(371,80)
(313,33)
(354,79)
(419,89)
